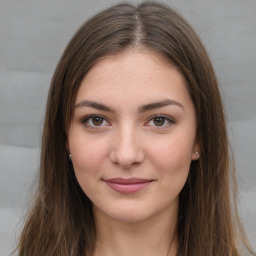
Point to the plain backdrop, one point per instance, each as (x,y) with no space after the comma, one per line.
(33,35)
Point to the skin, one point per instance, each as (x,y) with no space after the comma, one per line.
(126,140)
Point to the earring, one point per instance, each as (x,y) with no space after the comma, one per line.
(197,154)
(69,156)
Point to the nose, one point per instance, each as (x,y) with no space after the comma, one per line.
(126,151)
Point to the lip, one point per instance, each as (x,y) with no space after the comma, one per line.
(127,186)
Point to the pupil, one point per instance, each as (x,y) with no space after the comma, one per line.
(159,121)
(97,120)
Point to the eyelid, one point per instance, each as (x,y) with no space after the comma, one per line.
(85,119)
(167,118)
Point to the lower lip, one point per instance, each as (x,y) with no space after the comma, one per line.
(128,188)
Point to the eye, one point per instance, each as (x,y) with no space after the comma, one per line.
(160,121)
(95,121)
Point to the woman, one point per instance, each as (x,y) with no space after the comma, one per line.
(134,156)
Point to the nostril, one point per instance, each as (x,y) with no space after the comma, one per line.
(126,158)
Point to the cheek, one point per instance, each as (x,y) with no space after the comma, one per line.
(172,158)
(174,151)
(88,159)
(88,156)
(173,166)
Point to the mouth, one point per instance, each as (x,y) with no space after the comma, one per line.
(128,186)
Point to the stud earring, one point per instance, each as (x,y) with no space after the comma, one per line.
(197,154)
(69,156)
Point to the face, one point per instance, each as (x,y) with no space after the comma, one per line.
(132,136)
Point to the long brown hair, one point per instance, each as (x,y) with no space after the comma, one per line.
(60,221)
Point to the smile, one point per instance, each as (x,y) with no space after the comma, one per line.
(127,186)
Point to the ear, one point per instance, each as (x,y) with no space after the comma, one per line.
(196,152)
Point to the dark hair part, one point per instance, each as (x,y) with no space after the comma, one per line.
(60,221)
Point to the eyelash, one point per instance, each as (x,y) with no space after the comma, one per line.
(89,118)
(86,120)
(167,120)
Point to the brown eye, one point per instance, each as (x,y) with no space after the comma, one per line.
(159,121)
(94,121)
(97,121)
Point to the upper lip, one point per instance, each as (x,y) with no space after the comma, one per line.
(133,180)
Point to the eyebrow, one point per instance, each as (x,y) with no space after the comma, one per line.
(92,104)
(143,108)
(159,104)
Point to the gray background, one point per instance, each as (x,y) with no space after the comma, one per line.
(33,34)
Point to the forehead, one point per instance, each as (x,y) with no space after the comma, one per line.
(133,76)
(126,64)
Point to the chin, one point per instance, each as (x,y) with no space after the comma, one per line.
(129,217)
(128,213)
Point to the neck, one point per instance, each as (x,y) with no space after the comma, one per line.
(156,236)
